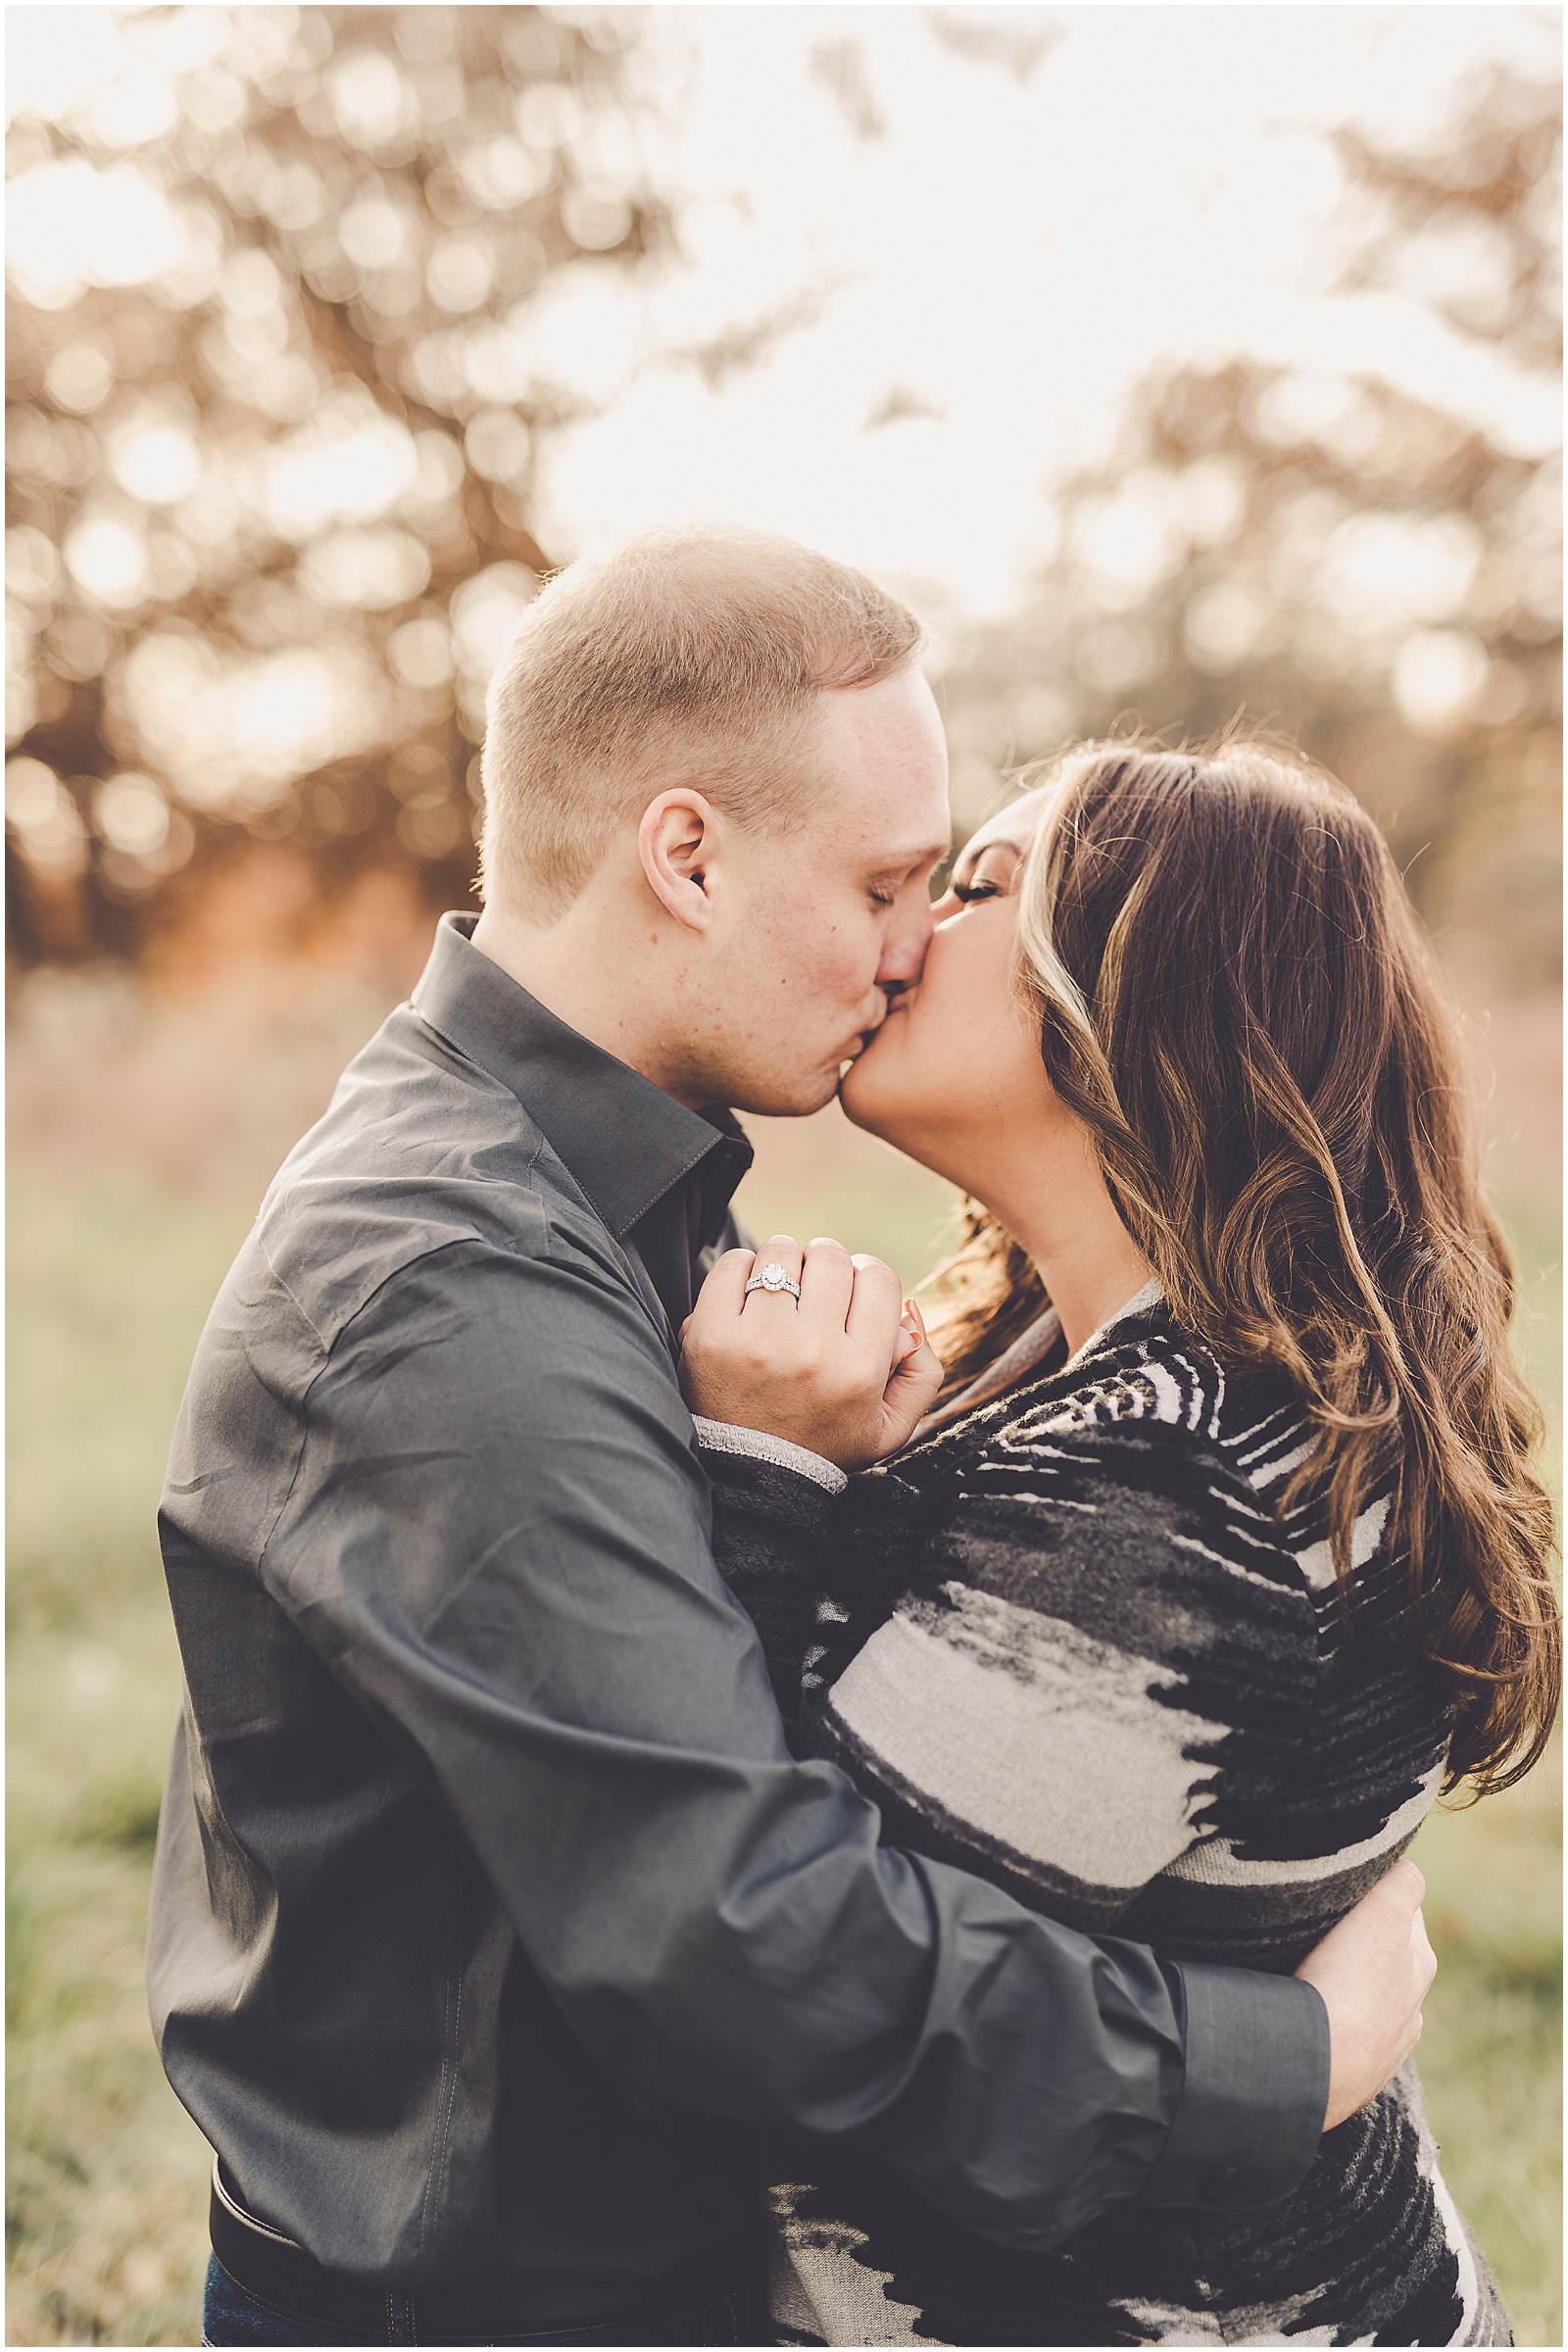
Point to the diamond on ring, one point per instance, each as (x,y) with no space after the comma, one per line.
(774,1277)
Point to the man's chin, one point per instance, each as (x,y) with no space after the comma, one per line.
(796,1099)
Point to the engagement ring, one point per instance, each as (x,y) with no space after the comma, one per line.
(774,1277)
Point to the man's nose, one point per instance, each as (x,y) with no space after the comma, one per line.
(904,954)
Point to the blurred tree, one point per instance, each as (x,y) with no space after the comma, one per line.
(273,404)
(1347,566)
(1476,229)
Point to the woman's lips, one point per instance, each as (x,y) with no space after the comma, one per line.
(868,1037)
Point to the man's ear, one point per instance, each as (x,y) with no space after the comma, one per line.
(677,837)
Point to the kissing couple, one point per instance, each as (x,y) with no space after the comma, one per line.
(703,1814)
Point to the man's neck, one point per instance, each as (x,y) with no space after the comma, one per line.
(587,969)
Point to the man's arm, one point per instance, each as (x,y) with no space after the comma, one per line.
(773,1503)
(497,1538)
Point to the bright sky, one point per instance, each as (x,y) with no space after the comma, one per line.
(1005,255)
(1013,253)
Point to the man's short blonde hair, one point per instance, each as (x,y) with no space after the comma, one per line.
(688,657)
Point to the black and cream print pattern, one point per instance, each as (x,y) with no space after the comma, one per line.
(1069,1645)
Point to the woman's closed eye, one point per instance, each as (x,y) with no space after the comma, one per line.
(992,873)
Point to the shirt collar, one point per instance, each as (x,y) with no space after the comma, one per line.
(626,1142)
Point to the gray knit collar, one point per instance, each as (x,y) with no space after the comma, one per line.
(1152,1295)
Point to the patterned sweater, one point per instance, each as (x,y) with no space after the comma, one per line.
(1065,1644)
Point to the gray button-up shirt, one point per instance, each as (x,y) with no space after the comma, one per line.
(495,1934)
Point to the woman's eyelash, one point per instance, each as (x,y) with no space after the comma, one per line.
(881,897)
(968,892)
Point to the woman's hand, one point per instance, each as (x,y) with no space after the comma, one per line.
(845,1371)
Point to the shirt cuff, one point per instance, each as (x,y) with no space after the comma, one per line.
(1255,2092)
(722,1437)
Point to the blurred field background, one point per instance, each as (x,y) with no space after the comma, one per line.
(332,331)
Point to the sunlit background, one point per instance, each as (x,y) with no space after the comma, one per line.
(1178,363)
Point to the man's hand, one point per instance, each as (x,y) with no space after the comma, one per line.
(845,1371)
(1372,1970)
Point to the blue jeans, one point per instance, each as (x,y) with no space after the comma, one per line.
(231,2314)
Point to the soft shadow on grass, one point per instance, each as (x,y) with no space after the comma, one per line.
(109,1283)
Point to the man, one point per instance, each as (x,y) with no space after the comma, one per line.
(496,1940)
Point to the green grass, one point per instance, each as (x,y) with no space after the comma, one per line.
(822,1175)
(110,1281)
(106,2195)
(1491,2056)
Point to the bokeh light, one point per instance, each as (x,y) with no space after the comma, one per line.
(276,405)
(1185,368)
(332,332)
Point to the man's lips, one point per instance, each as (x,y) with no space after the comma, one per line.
(868,1037)
(896,1004)
(865,1035)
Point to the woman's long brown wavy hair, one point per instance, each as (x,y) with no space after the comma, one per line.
(1236,999)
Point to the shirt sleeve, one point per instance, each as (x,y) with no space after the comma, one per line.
(755,1445)
(497,1537)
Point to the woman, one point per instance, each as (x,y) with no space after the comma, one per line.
(1175,1621)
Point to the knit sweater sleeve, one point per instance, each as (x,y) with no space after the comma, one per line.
(773,1512)
(1055,1699)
